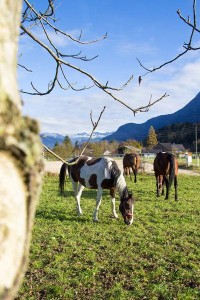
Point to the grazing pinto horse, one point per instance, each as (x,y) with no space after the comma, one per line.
(101,173)
(131,161)
(166,171)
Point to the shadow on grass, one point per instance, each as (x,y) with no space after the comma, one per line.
(67,213)
(56,214)
(87,193)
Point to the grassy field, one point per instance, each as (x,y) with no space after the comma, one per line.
(157,257)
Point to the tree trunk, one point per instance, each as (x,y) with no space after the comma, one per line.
(20,160)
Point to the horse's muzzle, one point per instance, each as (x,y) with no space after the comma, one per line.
(128,218)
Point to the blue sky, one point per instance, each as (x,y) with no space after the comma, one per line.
(148,30)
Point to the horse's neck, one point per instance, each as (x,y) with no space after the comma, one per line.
(121,185)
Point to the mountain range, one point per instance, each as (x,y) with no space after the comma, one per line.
(50,139)
(189,113)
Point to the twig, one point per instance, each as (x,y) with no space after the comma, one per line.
(74,162)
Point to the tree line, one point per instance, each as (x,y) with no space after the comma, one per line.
(177,133)
(180,133)
(66,149)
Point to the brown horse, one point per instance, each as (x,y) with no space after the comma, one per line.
(166,171)
(131,161)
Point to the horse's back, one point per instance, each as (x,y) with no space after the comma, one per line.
(131,160)
(163,161)
(92,172)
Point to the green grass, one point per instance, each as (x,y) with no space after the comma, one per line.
(157,257)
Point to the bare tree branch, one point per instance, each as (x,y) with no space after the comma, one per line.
(44,17)
(43,20)
(147,107)
(28,70)
(187,21)
(94,124)
(187,46)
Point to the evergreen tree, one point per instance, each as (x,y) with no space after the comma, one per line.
(65,149)
(151,138)
(67,140)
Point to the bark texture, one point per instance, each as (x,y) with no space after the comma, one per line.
(20,160)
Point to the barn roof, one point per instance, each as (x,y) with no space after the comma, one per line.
(168,147)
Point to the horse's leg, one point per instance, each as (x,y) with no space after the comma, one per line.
(125,171)
(78,198)
(167,187)
(135,174)
(129,172)
(98,203)
(160,185)
(163,186)
(77,194)
(176,187)
(157,185)
(112,195)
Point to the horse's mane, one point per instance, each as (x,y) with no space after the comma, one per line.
(115,172)
(115,176)
(125,193)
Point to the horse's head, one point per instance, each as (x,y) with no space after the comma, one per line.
(126,208)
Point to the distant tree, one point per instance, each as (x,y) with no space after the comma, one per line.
(68,145)
(98,148)
(76,145)
(76,148)
(151,138)
(66,140)
(65,149)
(113,146)
(60,150)
(133,143)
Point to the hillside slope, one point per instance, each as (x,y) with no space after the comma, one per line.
(189,113)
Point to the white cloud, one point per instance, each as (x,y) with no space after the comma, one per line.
(136,48)
(70,113)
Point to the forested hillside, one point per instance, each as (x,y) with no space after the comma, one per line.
(180,133)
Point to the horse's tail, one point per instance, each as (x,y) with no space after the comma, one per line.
(134,160)
(62,176)
(171,160)
(134,163)
(137,162)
